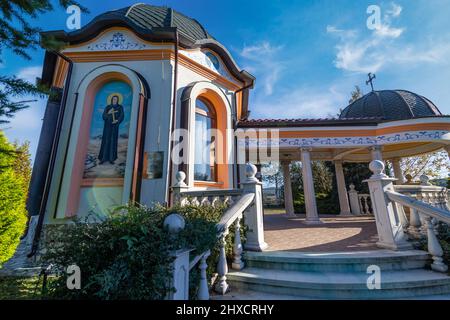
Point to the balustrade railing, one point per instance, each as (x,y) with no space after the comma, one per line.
(247,202)
(360,203)
(435,196)
(427,205)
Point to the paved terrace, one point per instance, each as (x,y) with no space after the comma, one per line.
(335,234)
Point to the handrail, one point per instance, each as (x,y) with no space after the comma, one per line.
(418,187)
(235,211)
(198,258)
(245,201)
(434,212)
(212,193)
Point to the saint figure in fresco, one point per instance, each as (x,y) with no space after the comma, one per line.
(113,116)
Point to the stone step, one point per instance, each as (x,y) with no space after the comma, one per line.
(338,285)
(337,262)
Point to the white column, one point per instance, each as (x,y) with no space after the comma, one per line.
(398,171)
(342,189)
(288,201)
(376,153)
(312,217)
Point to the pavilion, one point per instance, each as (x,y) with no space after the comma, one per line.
(381,125)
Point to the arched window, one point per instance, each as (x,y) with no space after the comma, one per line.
(205,142)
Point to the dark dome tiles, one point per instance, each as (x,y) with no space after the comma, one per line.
(391,105)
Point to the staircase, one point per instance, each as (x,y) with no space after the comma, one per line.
(293,275)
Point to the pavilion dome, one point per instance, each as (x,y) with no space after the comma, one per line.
(391,105)
(151,18)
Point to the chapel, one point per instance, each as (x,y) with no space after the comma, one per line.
(137,92)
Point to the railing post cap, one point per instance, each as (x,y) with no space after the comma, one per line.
(352,187)
(424,180)
(250,172)
(174,223)
(377,168)
(180,177)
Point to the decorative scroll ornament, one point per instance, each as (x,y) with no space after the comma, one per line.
(348,141)
(118,41)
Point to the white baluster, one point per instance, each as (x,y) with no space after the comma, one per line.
(366,206)
(414,223)
(237,248)
(205,201)
(203,290)
(222,267)
(360,201)
(227,201)
(194,201)
(434,247)
(215,201)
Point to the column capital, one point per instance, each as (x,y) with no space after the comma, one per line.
(376,148)
(305,149)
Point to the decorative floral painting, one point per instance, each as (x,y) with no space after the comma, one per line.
(108,137)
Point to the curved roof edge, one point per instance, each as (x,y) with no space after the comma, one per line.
(164,34)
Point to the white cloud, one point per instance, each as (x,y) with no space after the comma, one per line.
(261,59)
(394,11)
(387,31)
(30,73)
(384,47)
(303,102)
(342,33)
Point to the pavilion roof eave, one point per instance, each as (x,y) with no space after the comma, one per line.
(325,122)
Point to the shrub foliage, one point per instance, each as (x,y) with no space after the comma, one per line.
(127,254)
(13,189)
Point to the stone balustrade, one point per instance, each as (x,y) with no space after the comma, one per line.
(246,201)
(360,203)
(390,217)
(435,196)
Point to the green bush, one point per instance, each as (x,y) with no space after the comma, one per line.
(12,201)
(326,204)
(126,255)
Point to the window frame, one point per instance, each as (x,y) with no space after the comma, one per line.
(212,115)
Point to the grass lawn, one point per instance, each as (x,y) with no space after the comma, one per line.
(20,288)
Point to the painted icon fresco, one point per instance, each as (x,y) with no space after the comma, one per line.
(108,136)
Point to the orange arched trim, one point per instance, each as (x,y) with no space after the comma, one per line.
(76,181)
(221,149)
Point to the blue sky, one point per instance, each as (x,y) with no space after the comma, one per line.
(306,55)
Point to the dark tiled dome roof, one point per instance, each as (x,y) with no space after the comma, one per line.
(150,17)
(391,105)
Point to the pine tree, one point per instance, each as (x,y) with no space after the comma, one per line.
(19,35)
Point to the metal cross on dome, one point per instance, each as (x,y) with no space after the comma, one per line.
(371,77)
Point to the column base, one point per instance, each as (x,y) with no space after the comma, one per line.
(291,215)
(315,221)
(346,213)
(256,246)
